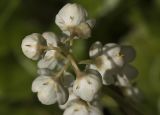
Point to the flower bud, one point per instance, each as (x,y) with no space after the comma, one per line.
(49,91)
(32,46)
(87,85)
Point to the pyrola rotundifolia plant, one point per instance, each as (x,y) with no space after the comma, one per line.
(77,93)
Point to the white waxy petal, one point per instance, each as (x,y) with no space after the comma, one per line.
(76,109)
(88,85)
(49,91)
(69,16)
(49,60)
(40,82)
(106,47)
(31,46)
(115,56)
(51,38)
(47,94)
(95,49)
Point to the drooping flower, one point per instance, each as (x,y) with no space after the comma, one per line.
(32,46)
(87,85)
(49,91)
(82,108)
(72,21)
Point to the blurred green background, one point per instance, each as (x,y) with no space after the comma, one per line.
(133,22)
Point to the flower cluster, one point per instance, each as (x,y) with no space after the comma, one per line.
(76,94)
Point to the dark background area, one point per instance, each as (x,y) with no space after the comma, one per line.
(131,22)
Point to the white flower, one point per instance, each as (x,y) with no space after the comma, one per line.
(32,46)
(77,108)
(114,54)
(88,85)
(49,59)
(72,98)
(72,21)
(49,91)
(70,15)
(81,108)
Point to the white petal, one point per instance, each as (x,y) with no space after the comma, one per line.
(47,94)
(87,86)
(30,46)
(49,60)
(51,38)
(70,15)
(39,82)
(95,49)
(76,109)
